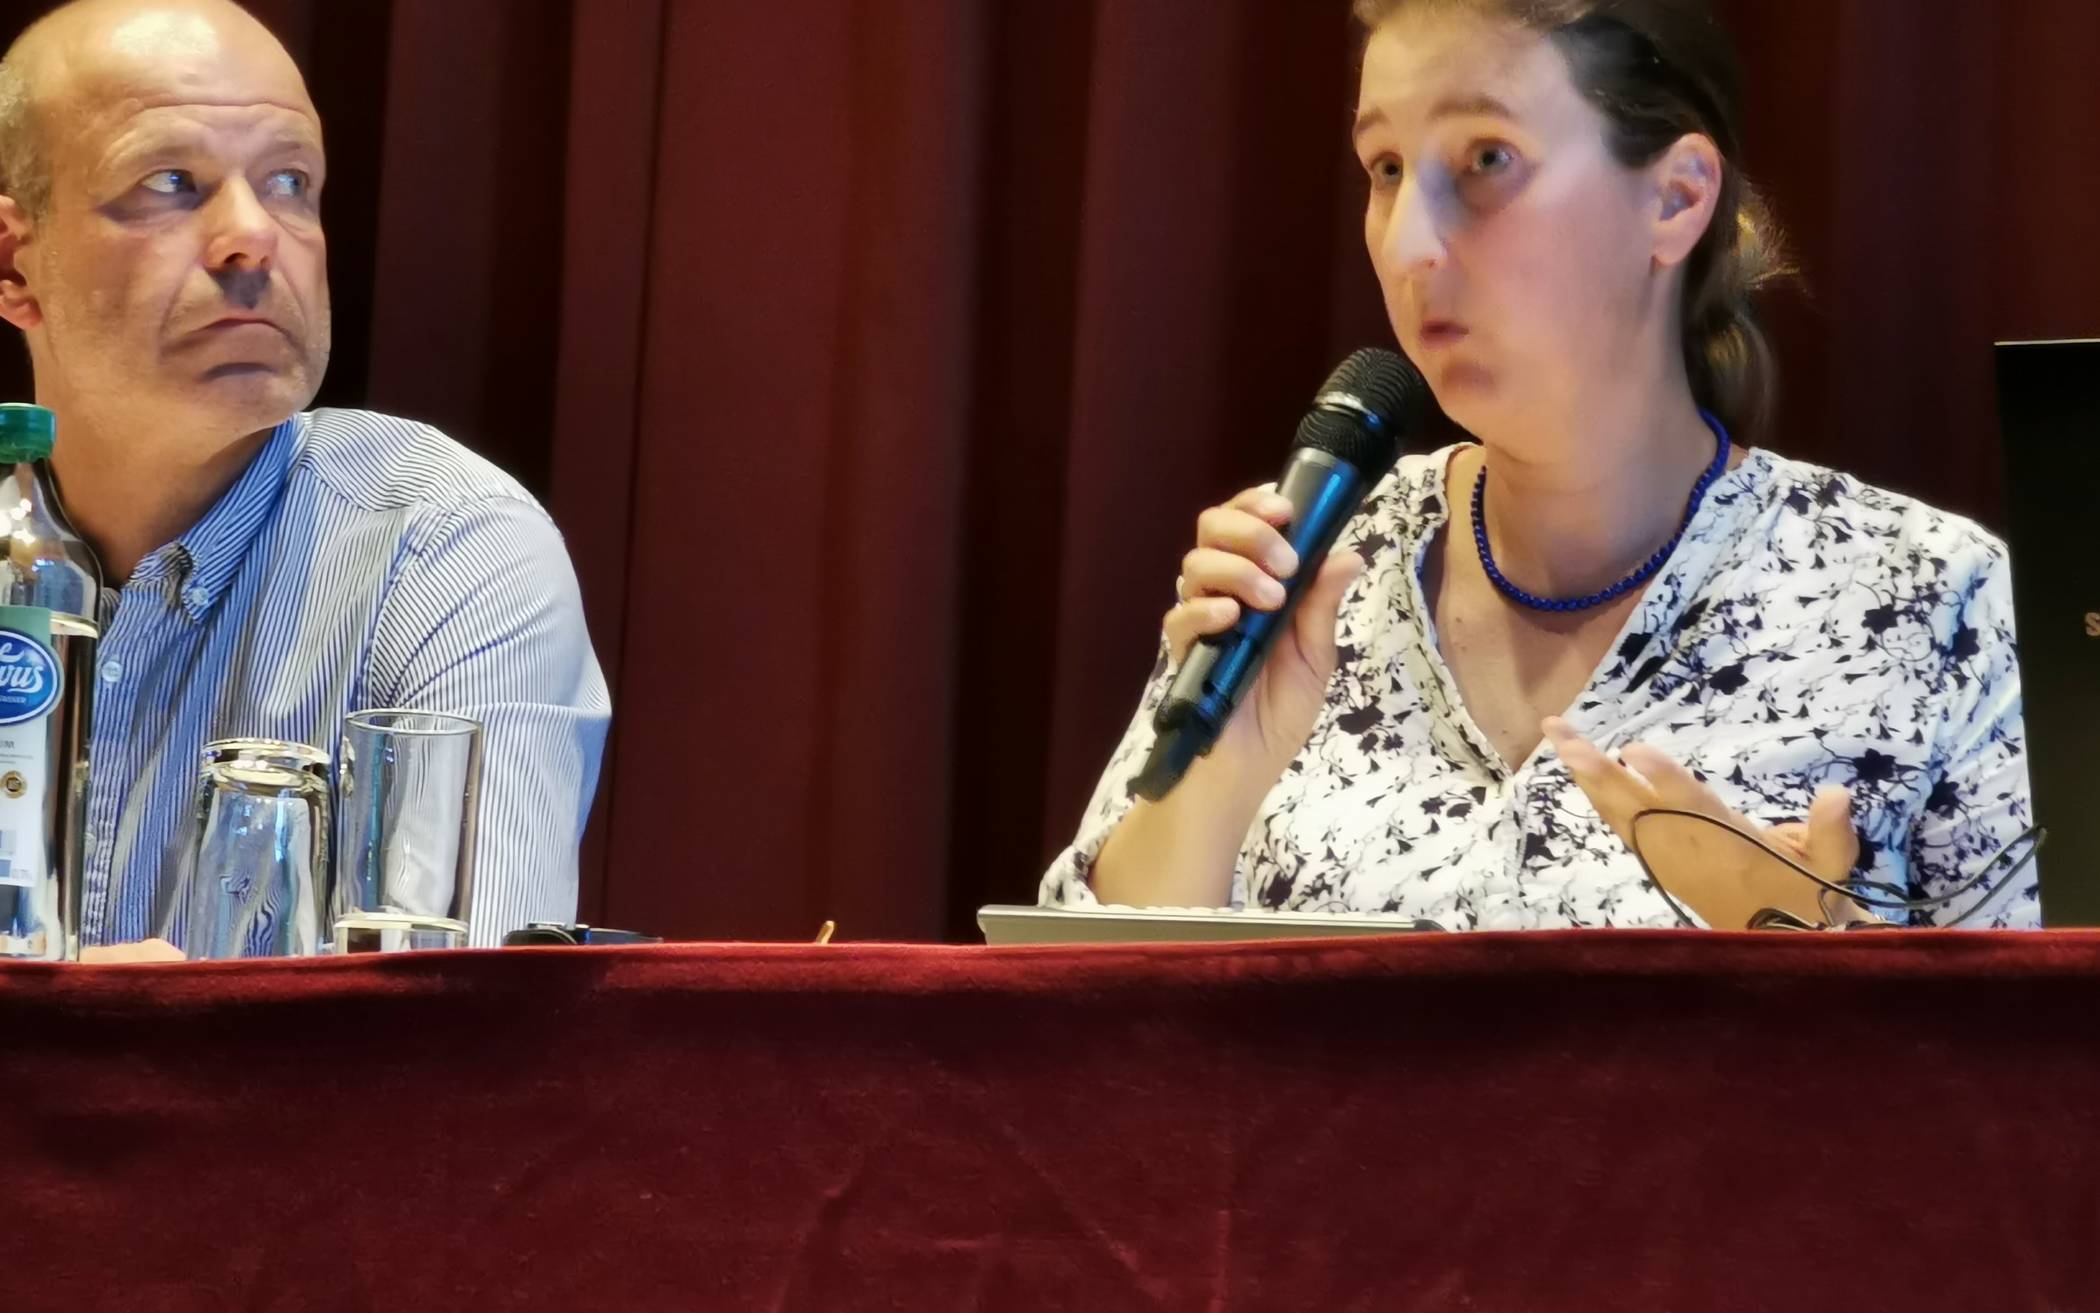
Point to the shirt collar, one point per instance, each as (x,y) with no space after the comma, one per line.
(215,546)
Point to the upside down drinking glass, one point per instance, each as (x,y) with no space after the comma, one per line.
(251,875)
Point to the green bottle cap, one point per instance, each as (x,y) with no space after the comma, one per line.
(26,432)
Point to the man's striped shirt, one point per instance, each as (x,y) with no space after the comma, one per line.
(359,562)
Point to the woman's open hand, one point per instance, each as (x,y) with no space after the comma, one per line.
(1705,868)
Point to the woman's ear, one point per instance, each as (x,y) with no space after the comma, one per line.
(18,304)
(1688,181)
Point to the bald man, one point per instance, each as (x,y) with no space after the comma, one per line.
(266,569)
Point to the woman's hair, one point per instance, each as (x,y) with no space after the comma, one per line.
(1659,70)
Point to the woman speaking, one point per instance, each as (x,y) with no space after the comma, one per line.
(1613,602)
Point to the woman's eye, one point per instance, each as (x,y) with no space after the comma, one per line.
(1486,160)
(169,182)
(1386,172)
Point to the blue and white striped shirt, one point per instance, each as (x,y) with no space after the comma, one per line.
(360,561)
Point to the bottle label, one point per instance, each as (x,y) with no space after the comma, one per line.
(31,681)
(30,677)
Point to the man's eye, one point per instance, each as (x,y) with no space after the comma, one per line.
(169,182)
(288,184)
(1386,172)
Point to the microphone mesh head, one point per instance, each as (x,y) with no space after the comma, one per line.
(1372,404)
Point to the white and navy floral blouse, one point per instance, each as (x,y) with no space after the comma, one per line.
(1809,630)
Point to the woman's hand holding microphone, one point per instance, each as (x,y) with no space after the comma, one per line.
(1180,851)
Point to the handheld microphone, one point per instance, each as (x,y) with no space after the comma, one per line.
(1347,442)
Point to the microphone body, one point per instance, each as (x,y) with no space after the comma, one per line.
(1347,443)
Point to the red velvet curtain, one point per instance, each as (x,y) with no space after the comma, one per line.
(955,314)
(876,355)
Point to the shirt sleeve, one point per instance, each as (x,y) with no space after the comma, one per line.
(484,619)
(1980,807)
(1067,882)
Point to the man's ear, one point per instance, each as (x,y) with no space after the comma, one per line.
(18,304)
(1688,181)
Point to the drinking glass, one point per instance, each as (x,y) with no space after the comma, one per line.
(407,791)
(251,870)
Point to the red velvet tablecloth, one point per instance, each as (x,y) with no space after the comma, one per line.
(1567,1121)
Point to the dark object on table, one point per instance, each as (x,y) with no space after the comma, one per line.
(540,934)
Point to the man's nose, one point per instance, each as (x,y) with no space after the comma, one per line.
(243,233)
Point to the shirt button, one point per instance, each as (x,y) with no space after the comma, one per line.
(196,597)
(112,671)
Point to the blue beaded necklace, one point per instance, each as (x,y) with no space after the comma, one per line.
(1631,581)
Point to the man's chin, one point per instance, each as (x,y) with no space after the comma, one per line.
(237,370)
(248,397)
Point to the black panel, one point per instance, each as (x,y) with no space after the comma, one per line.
(2049,403)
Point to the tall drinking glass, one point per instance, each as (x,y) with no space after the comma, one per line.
(251,874)
(407,790)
